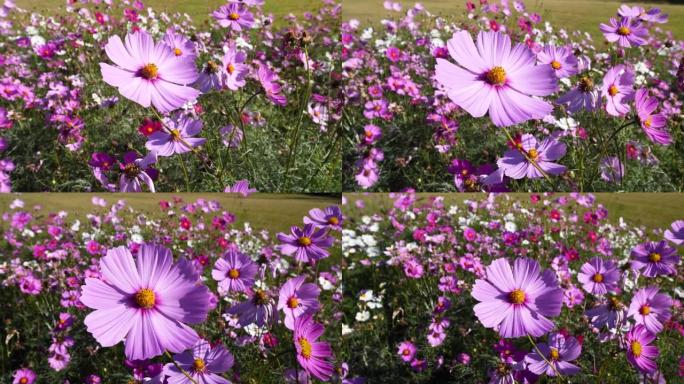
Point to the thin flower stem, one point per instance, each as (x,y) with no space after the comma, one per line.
(294,144)
(179,367)
(544,357)
(185,172)
(534,163)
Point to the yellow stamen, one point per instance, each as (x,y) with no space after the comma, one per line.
(304,241)
(230,68)
(533,154)
(333,220)
(175,134)
(645,310)
(624,31)
(555,65)
(233,273)
(648,122)
(554,354)
(292,302)
(198,365)
(234,16)
(517,296)
(613,90)
(149,72)
(177,52)
(597,278)
(496,76)
(635,346)
(654,257)
(305,347)
(586,84)
(145,298)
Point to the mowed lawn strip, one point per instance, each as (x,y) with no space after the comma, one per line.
(583,15)
(274,212)
(653,210)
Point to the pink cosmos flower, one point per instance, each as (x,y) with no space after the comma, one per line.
(149,73)
(298,298)
(676,232)
(371,134)
(599,277)
(560,59)
(584,96)
(517,301)
(234,68)
(177,138)
(639,353)
(610,312)
(617,89)
(655,259)
(145,301)
(306,244)
(559,351)
(234,271)
(234,16)
(517,163)
(136,171)
(313,355)
(654,125)
(182,47)
(330,217)
(259,309)
(269,81)
(202,362)
(612,169)
(494,78)
(24,376)
(240,187)
(650,308)
(627,32)
(406,350)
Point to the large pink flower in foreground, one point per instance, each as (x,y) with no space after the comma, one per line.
(494,78)
(517,301)
(146,301)
(149,73)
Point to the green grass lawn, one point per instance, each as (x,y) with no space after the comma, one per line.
(585,15)
(275,212)
(199,10)
(653,210)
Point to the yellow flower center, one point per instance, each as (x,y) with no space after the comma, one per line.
(496,76)
(648,122)
(175,135)
(234,16)
(212,67)
(406,352)
(369,134)
(304,241)
(555,65)
(292,302)
(198,365)
(305,346)
(597,278)
(654,257)
(177,52)
(23,380)
(624,31)
(230,68)
(233,273)
(149,72)
(645,310)
(613,90)
(615,303)
(333,220)
(517,296)
(554,354)
(145,298)
(586,84)
(260,297)
(533,154)
(635,346)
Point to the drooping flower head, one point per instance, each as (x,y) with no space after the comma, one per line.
(654,259)
(650,308)
(202,362)
(519,163)
(560,59)
(676,232)
(518,301)
(313,355)
(610,312)
(330,217)
(146,301)
(177,137)
(234,271)
(556,356)
(584,96)
(639,353)
(599,276)
(626,31)
(653,124)
(617,89)
(493,77)
(269,81)
(306,244)
(137,171)
(258,309)
(149,73)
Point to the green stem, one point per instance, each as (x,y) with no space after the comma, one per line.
(179,367)
(544,357)
(185,172)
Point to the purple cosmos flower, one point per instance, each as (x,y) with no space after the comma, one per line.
(211,77)
(650,308)
(234,271)
(259,309)
(368,175)
(617,89)
(145,301)
(655,259)
(269,81)
(559,351)
(627,32)
(24,376)
(313,355)
(610,312)
(182,47)
(517,163)
(377,109)
(612,169)
(676,233)
(202,363)
(101,160)
(234,16)
(654,125)
(137,171)
(371,134)
(240,187)
(330,217)
(406,350)
(298,298)
(149,73)
(234,68)
(306,244)
(560,59)
(494,78)
(599,276)
(517,301)
(584,96)
(393,54)
(177,137)
(639,353)
(653,15)
(5,121)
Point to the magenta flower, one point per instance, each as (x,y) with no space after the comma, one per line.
(612,169)
(627,32)
(259,309)
(559,351)
(654,259)
(494,78)
(517,163)
(234,16)
(584,96)
(298,298)
(617,89)
(146,302)
(269,81)
(306,244)
(639,353)
(371,134)
(654,125)
(149,73)
(24,376)
(406,350)
(330,217)
(650,308)
(676,232)
(177,137)
(202,362)
(240,187)
(518,301)
(234,272)
(234,68)
(313,355)
(560,59)
(137,171)
(599,277)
